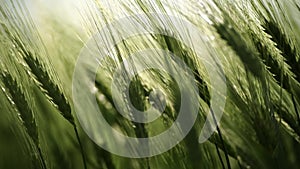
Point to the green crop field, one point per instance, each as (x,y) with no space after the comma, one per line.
(253,45)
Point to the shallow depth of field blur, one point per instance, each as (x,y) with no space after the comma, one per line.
(257,42)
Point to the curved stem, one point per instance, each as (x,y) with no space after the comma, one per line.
(222,141)
(219,155)
(42,157)
(81,147)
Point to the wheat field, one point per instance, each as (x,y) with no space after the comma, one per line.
(257,43)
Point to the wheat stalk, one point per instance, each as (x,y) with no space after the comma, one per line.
(54,93)
(18,99)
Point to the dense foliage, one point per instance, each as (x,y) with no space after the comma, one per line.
(257,42)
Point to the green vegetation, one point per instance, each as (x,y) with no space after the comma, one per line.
(257,42)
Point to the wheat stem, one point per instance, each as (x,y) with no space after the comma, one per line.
(222,141)
(81,147)
(42,157)
(219,155)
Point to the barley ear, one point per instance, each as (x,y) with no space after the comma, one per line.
(17,98)
(52,90)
